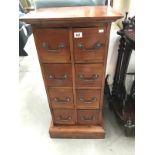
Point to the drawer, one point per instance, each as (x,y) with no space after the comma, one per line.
(53,45)
(89,75)
(88,99)
(64,116)
(58,74)
(89,44)
(61,98)
(88,117)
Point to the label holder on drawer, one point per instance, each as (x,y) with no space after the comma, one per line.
(78,35)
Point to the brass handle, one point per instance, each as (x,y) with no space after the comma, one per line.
(60,46)
(96,46)
(94,99)
(92,78)
(58,100)
(88,118)
(64,77)
(65,119)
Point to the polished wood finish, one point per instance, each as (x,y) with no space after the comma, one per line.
(87,99)
(70,15)
(58,74)
(88,117)
(90,51)
(48,42)
(62,116)
(72,45)
(89,75)
(61,98)
(80,131)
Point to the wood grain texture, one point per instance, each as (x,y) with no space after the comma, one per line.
(74,81)
(88,117)
(63,116)
(90,75)
(104,71)
(76,131)
(53,38)
(91,37)
(58,74)
(71,15)
(87,99)
(61,98)
(73,69)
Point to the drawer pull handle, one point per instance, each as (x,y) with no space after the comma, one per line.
(64,77)
(96,46)
(88,118)
(64,119)
(60,46)
(94,99)
(58,100)
(92,78)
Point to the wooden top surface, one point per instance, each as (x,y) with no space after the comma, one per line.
(81,13)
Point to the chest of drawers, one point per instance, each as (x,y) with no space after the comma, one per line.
(72,45)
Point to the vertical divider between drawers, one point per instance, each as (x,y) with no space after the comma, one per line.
(73,71)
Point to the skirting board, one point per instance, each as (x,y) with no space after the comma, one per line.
(76,132)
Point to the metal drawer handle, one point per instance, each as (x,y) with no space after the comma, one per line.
(65,119)
(60,46)
(92,78)
(88,118)
(96,46)
(94,99)
(64,77)
(58,100)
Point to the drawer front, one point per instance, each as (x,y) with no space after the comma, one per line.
(58,75)
(88,117)
(89,43)
(61,98)
(64,116)
(53,45)
(88,99)
(89,75)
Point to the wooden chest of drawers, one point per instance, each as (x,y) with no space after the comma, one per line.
(72,45)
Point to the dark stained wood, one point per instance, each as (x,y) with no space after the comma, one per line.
(70,73)
(90,75)
(53,38)
(87,99)
(61,98)
(111,2)
(62,116)
(58,74)
(121,101)
(88,117)
(76,131)
(91,37)
(130,35)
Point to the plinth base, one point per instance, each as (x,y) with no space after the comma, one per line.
(76,132)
